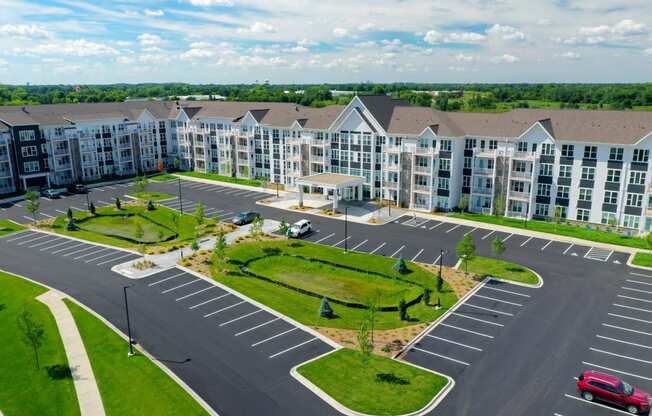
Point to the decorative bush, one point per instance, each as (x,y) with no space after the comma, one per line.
(402,310)
(91,208)
(400,266)
(426,295)
(325,310)
(70,226)
(150,206)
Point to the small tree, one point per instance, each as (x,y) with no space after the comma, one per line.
(427,292)
(498,246)
(195,245)
(91,208)
(118,204)
(219,252)
(466,250)
(439,282)
(499,206)
(177,163)
(33,205)
(557,215)
(283,227)
(373,305)
(150,206)
(140,184)
(32,333)
(325,310)
(199,213)
(464,203)
(400,266)
(364,343)
(257,227)
(69,214)
(402,310)
(70,225)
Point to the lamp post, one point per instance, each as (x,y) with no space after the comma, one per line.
(180,200)
(88,202)
(346,228)
(441,260)
(131,347)
(276,190)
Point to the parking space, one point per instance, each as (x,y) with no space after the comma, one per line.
(256,331)
(622,345)
(75,251)
(459,340)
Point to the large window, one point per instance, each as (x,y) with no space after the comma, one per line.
(28,151)
(545,169)
(442,183)
(634,200)
(641,155)
(636,178)
(30,167)
(548,149)
(26,135)
(567,150)
(541,210)
(613,175)
(565,171)
(590,152)
(583,214)
(631,221)
(588,173)
(543,189)
(444,164)
(616,153)
(521,146)
(609,218)
(610,197)
(562,192)
(446,145)
(585,194)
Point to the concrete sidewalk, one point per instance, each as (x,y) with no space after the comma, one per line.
(88,394)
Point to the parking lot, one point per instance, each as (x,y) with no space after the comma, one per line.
(460,339)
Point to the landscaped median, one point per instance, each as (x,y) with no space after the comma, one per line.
(128,386)
(221,178)
(151,196)
(381,386)
(642,259)
(8,227)
(501,269)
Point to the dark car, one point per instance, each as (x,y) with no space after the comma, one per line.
(593,385)
(245,217)
(78,189)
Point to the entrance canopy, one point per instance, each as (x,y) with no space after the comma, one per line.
(328,181)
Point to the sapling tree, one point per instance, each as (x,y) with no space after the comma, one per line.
(33,204)
(32,333)
(118,204)
(364,343)
(466,250)
(200,213)
(325,310)
(498,246)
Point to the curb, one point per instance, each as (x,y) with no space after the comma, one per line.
(156,362)
(630,263)
(126,250)
(229,184)
(334,217)
(441,394)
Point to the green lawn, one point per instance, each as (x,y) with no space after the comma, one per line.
(125,227)
(129,385)
(221,178)
(501,269)
(643,259)
(8,227)
(567,230)
(305,308)
(161,177)
(24,389)
(187,225)
(404,389)
(152,196)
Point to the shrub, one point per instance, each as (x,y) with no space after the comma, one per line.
(402,310)
(426,295)
(325,310)
(118,204)
(70,226)
(69,214)
(400,266)
(91,208)
(195,245)
(150,206)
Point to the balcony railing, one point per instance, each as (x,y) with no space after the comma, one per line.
(422,169)
(524,175)
(422,188)
(519,195)
(516,214)
(390,166)
(429,151)
(482,190)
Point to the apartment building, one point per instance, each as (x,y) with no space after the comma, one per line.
(585,166)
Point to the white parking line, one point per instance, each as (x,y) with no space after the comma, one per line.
(78,209)
(29,234)
(67,248)
(469,232)
(47,215)
(195,293)
(224,309)
(547,244)
(58,244)
(454,342)
(274,337)
(210,300)
(45,242)
(640,274)
(378,248)
(103,256)
(28,218)
(615,371)
(359,245)
(631,289)
(629,318)
(417,255)
(505,290)
(638,282)
(437,259)
(613,354)
(624,342)
(292,348)
(632,308)
(180,286)
(466,330)
(507,238)
(487,309)
(568,248)
(325,238)
(441,356)
(454,228)
(90,254)
(257,326)
(398,251)
(114,259)
(595,404)
(241,317)
(497,300)
(166,279)
(627,329)
(33,239)
(435,226)
(491,232)
(636,299)
(341,241)
(80,250)
(61,212)
(526,241)
(461,315)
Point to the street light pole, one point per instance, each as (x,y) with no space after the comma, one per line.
(441,260)
(346,229)
(131,347)
(88,202)
(180,200)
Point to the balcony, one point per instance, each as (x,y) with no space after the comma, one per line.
(391,166)
(421,188)
(425,151)
(524,155)
(5,173)
(519,195)
(522,175)
(483,171)
(392,148)
(390,184)
(422,169)
(516,214)
(482,191)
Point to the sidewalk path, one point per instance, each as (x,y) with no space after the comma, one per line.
(88,395)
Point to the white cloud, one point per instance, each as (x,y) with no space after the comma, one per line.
(297,49)
(307,42)
(154,58)
(123,43)
(249,62)
(147,39)
(3,62)
(208,3)
(434,37)
(464,58)
(595,35)
(366,27)
(648,51)
(125,60)
(154,13)
(152,49)
(505,32)
(24,31)
(78,47)
(569,55)
(505,59)
(340,32)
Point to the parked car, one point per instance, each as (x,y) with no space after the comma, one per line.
(299,229)
(51,193)
(78,188)
(245,217)
(593,385)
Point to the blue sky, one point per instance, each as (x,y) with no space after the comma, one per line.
(306,41)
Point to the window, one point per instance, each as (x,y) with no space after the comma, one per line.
(30,167)
(565,171)
(613,175)
(641,155)
(443,183)
(562,192)
(631,221)
(588,173)
(519,166)
(444,164)
(616,153)
(543,189)
(583,214)
(561,211)
(608,218)
(634,200)
(518,186)
(541,210)
(28,151)
(590,152)
(545,169)
(567,150)
(468,162)
(521,146)
(446,145)
(26,135)
(610,197)
(636,178)
(493,144)
(469,144)
(366,157)
(466,181)
(585,194)
(548,149)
